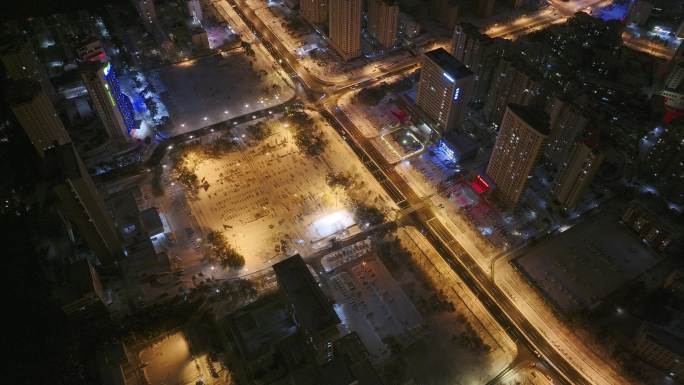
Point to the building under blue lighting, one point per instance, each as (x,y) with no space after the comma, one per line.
(119,99)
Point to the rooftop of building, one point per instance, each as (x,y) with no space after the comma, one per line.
(109,359)
(11,42)
(151,220)
(21,91)
(591,260)
(313,309)
(90,67)
(126,214)
(536,118)
(63,162)
(523,66)
(448,63)
(76,280)
(350,363)
(257,327)
(474,32)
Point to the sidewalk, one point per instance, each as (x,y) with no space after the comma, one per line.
(428,260)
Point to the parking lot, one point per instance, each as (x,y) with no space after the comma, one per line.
(213,89)
(271,200)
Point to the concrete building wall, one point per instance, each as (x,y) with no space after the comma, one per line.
(344,26)
(38,118)
(515,153)
(383,21)
(315,11)
(577,174)
(442,95)
(103,103)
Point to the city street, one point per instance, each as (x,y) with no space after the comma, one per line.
(573,360)
(557,12)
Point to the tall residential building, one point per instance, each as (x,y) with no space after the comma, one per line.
(80,292)
(444,12)
(21,62)
(344,27)
(19,59)
(315,11)
(577,174)
(478,52)
(568,123)
(408,27)
(81,205)
(513,82)
(673,91)
(312,309)
(484,8)
(664,163)
(383,21)
(518,145)
(36,115)
(103,101)
(444,89)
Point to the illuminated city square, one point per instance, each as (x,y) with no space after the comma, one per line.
(343,192)
(270,199)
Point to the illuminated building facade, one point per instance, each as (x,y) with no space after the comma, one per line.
(36,115)
(513,82)
(314,11)
(195,10)
(344,26)
(567,125)
(518,145)
(673,92)
(664,163)
(383,21)
(577,174)
(104,103)
(444,89)
(118,102)
(479,52)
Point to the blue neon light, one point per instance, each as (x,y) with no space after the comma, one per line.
(457,93)
(448,77)
(444,148)
(123,103)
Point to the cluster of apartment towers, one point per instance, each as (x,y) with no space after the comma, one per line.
(527,132)
(446,87)
(32,98)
